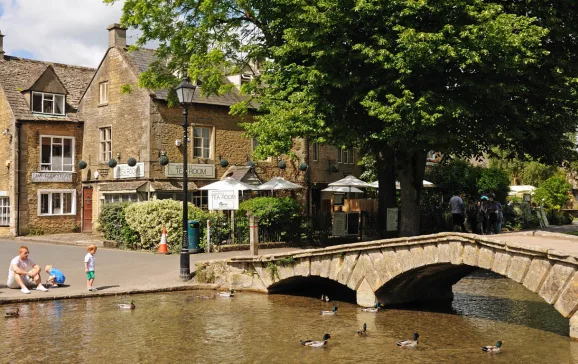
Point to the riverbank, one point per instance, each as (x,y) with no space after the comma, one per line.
(118,272)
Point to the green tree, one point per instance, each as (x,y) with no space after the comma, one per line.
(395,78)
(554,192)
(494,180)
(536,173)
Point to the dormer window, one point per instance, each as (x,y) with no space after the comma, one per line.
(45,103)
(246,78)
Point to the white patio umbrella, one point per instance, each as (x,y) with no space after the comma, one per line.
(278,183)
(228,184)
(342,189)
(350,181)
(426,184)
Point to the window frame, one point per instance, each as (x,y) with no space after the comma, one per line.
(315,152)
(103,93)
(63,106)
(194,139)
(4,211)
(346,156)
(51,193)
(132,197)
(73,145)
(101,142)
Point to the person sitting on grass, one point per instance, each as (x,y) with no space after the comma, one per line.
(55,276)
(24,272)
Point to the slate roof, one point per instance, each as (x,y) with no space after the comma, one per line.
(173,186)
(141,59)
(19,74)
(122,186)
(245,174)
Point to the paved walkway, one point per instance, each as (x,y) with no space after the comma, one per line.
(123,272)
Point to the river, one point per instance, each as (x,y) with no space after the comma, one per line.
(257,328)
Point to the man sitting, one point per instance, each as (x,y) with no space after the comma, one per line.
(24,272)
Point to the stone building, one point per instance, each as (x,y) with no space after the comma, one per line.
(42,137)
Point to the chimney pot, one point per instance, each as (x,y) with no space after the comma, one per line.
(116,35)
(1,46)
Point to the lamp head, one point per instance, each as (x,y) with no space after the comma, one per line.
(185,91)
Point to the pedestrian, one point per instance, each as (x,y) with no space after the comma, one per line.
(458,212)
(482,219)
(89,267)
(24,272)
(500,220)
(55,276)
(492,214)
(472,214)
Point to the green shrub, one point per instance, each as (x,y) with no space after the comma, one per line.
(554,192)
(283,215)
(113,225)
(557,217)
(148,219)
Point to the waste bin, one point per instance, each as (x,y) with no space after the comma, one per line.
(194,236)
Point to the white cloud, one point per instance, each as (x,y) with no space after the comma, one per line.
(65,31)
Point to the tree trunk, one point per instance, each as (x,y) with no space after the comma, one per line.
(385,160)
(412,170)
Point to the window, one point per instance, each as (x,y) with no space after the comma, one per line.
(105,144)
(4,211)
(56,202)
(56,154)
(201,142)
(103,92)
(198,198)
(47,103)
(315,152)
(120,197)
(345,156)
(201,199)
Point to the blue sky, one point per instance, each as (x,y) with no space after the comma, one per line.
(64,31)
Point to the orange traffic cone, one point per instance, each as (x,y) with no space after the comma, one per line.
(163,245)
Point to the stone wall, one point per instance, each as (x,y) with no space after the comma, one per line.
(30,163)
(7,158)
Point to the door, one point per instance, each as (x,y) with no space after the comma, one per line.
(87,210)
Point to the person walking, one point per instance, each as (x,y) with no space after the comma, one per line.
(472,215)
(24,272)
(89,267)
(458,212)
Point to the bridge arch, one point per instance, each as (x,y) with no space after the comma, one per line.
(409,269)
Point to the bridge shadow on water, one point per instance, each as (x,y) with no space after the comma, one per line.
(314,287)
(520,309)
(527,311)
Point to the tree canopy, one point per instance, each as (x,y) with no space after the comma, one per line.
(393,78)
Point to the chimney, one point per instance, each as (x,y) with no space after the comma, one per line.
(116,36)
(1,46)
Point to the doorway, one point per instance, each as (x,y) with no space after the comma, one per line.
(87,209)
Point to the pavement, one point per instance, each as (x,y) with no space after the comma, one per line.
(120,272)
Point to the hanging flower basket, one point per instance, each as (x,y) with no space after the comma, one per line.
(164,160)
(224,163)
(303,166)
(282,165)
(82,165)
(131,162)
(112,163)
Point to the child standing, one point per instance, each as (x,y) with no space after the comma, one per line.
(89,266)
(55,276)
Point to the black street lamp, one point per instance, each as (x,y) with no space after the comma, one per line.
(185,92)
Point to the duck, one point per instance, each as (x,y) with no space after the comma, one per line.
(12,312)
(324,298)
(363,332)
(409,343)
(371,309)
(315,344)
(493,349)
(127,306)
(329,313)
(227,294)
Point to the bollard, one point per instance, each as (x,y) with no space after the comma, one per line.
(254,235)
(208,236)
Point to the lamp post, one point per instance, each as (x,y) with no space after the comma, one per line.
(185,92)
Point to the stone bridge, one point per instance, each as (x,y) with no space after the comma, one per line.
(407,269)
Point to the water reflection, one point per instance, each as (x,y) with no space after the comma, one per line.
(255,328)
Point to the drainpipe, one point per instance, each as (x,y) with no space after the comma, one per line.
(18,126)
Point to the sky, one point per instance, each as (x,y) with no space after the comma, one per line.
(63,31)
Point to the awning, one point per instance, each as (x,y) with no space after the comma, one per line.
(123,187)
(245,174)
(173,186)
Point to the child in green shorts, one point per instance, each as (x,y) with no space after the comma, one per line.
(89,267)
